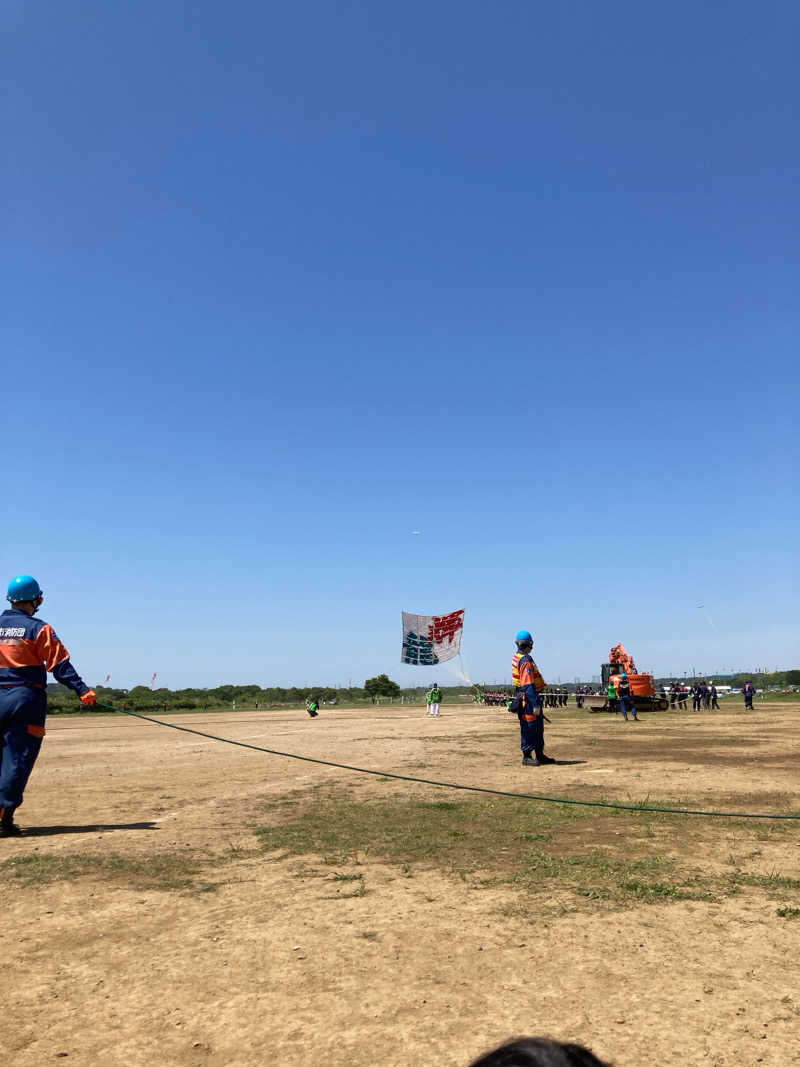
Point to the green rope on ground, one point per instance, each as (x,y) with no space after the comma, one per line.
(451,785)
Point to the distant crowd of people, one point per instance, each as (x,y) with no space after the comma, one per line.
(582,691)
(555,698)
(493,698)
(704,696)
(550,698)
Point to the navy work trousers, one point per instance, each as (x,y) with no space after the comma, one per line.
(627,706)
(23,710)
(532,733)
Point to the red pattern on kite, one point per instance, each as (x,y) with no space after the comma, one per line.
(445,627)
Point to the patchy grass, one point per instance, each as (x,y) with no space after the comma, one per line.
(356,881)
(592,854)
(458,834)
(774,882)
(167,871)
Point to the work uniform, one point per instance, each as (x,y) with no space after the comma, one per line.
(434,701)
(29,648)
(527,680)
(626,703)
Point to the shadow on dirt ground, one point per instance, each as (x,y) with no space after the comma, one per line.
(89,828)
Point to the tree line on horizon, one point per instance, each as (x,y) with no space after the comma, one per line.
(141,697)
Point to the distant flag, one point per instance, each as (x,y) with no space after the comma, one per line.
(431,639)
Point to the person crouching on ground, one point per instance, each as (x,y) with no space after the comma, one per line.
(29,648)
(528,683)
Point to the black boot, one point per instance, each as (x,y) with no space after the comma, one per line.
(541,758)
(528,760)
(8,828)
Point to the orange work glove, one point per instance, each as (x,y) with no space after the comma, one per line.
(89,698)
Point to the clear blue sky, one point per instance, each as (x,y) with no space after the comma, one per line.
(284,283)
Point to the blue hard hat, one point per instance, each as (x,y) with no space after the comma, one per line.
(23,587)
(522,637)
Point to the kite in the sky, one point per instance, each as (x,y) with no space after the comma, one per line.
(431,639)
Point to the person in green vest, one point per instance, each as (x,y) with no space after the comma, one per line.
(613,699)
(434,700)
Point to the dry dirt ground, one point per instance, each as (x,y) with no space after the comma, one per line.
(146,921)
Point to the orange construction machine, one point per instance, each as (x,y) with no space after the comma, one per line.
(643,689)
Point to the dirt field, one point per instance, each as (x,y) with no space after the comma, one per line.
(180,901)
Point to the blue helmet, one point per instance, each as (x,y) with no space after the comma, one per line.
(23,587)
(523,638)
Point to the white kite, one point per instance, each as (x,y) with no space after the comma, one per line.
(431,639)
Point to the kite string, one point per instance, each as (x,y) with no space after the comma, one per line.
(452,785)
(460,671)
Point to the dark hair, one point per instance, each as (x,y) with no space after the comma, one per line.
(539,1052)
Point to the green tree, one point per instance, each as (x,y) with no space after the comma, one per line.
(382,686)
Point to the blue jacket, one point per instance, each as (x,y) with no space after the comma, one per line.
(29,648)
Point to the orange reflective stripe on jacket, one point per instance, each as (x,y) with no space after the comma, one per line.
(51,650)
(44,649)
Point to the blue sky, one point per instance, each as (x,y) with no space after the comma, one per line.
(285,283)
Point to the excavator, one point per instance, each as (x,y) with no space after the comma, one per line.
(643,689)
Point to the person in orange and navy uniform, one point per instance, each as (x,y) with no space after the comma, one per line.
(29,648)
(528,683)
